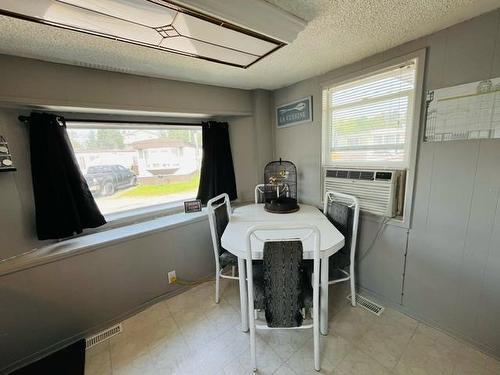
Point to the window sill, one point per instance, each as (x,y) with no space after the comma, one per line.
(138,215)
(91,242)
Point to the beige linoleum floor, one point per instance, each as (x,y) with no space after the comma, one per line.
(190,334)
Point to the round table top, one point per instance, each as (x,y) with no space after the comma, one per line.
(245,217)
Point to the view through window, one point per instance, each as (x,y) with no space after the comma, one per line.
(368,119)
(129,166)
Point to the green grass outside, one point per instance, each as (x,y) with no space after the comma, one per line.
(164,189)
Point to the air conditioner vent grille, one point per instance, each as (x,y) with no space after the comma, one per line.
(375,190)
(366,175)
(354,175)
(383,175)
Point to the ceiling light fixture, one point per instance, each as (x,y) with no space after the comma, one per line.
(160,24)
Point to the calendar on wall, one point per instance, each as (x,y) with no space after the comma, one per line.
(468,111)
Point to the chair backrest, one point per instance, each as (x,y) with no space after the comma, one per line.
(283,281)
(343,211)
(264,193)
(219,211)
(283,271)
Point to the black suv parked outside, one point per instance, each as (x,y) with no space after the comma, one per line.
(106,179)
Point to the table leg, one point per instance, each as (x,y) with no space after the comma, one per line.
(243,294)
(323,303)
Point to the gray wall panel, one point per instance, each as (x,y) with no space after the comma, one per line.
(435,66)
(495,66)
(48,304)
(481,227)
(486,242)
(422,185)
(435,250)
(263,131)
(17,306)
(454,166)
(488,315)
(31,82)
(470,47)
(381,250)
(302,144)
(243,142)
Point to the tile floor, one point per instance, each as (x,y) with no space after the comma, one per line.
(190,334)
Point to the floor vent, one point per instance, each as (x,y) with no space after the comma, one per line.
(103,336)
(368,305)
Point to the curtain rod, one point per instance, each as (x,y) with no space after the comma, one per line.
(27,118)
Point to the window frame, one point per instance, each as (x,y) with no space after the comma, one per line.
(414,134)
(138,214)
(328,111)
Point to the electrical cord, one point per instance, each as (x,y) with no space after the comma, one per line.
(383,224)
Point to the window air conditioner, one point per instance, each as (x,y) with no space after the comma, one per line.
(379,192)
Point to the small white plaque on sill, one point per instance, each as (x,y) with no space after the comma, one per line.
(192,206)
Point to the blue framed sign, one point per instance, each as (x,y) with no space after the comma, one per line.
(294,113)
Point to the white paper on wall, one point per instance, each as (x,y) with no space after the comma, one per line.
(468,111)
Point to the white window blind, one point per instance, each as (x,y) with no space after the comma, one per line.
(369,119)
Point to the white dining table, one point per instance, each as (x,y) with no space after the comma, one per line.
(245,217)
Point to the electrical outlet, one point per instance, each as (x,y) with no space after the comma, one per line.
(172,278)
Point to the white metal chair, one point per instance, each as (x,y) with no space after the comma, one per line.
(218,217)
(351,202)
(260,191)
(311,231)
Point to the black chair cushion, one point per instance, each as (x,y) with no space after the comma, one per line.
(283,288)
(341,216)
(306,297)
(258,285)
(227,259)
(307,290)
(221,221)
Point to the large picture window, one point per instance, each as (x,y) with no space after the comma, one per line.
(129,166)
(369,120)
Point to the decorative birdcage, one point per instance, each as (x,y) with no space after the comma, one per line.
(280,187)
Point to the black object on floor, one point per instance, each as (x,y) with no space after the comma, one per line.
(67,361)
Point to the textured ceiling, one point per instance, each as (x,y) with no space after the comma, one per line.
(339,32)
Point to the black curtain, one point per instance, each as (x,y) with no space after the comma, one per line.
(217,170)
(63,202)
